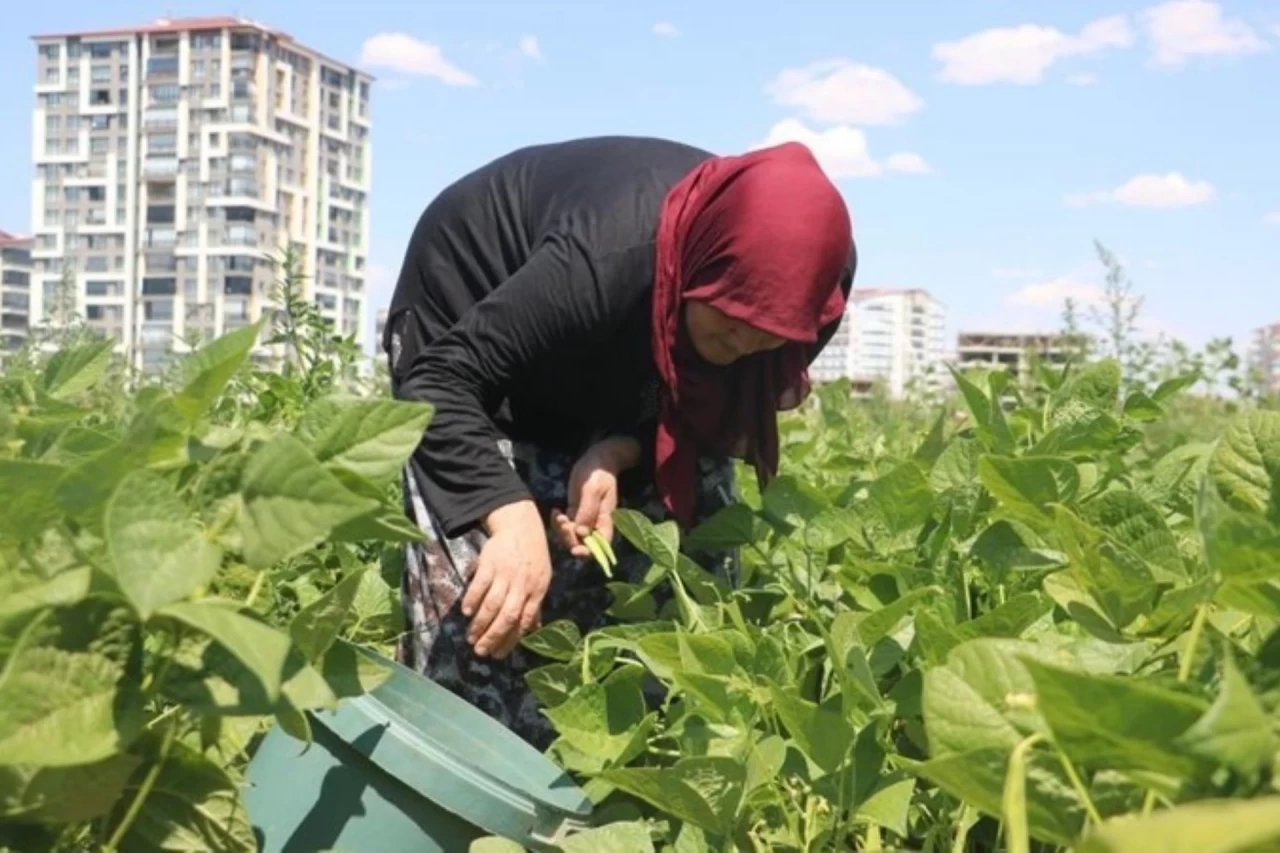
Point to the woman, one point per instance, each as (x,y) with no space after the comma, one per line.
(598,323)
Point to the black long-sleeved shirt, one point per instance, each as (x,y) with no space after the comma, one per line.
(523,311)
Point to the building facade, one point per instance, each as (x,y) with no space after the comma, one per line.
(893,338)
(176,162)
(1264,359)
(15,291)
(1011,350)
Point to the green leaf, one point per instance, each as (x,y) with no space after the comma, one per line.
(291,502)
(820,732)
(889,803)
(495,844)
(260,648)
(316,626)
(209,368)
(74,371)
(1170,388)
(1209,826)
(159,552)
(876,625)
(21,592)
(1096,384)
(626,837)
(1054,812)
(1235,732)
(1009,546)
(60,708)
(988,412)
(902,498)
(1113,575)
(704,791)
(659,542)
(732,526)
(983,698)
(368,437)
(29,506)
(1140,407)
(792,502)
(1244,548)
(557,640)
(1085,434)
(935,442)
(1113,722)
(1128,518)
(1245,467)
(70,794)
(600,720)
(193,805)
(1028,485)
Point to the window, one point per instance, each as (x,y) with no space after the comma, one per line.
(327,302)
(158,309)
(240,263)
(197,69)
(205,41)
(237,285)
(96,193)
(159,286)
(74,49)
(73,75)
(101,50)
(99,145)
(100,122)
(124,97)
(165,94)
(162,143)
(103,288)
(215,90)
(162,66)
(122,143)
(52,124)
(72,219)
(240,214)
(51,75)
(161,214)
(100,97)
(95,263)
(100,73)
(50,51)
(244,41)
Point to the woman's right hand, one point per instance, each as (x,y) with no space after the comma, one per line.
(510,581)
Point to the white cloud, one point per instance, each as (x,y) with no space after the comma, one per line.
(1272,218)
(530,49)
(1159,191)
(1181,29)
(1055,293)
(842,92)
(907,163)
(842,150)
(666,29)
(1082,79)
(408,55)
(1023,54)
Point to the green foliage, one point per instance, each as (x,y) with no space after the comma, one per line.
(1022,629)
(179,566)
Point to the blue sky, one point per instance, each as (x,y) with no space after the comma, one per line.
(982,144)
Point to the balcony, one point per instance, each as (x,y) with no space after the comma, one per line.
(160,167)
(162,67)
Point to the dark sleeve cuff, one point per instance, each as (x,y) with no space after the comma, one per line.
(465,515)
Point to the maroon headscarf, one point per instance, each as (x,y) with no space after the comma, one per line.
(765,238)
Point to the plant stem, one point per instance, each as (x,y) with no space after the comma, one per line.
(1078,784)
(1015,796)
(144,790)
(1197,627)
(256,588)
(962,830)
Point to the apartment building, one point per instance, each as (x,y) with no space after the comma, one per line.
(15,291)
(894,338)
(1264,358)
(1011,350)
(175,162)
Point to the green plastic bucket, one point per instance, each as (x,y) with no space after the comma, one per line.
(408,767)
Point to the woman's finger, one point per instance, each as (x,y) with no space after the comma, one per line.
(481,580)
(492,605)
(565,532)
(506,623)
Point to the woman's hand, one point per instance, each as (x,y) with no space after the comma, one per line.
(511,579)
(593,492)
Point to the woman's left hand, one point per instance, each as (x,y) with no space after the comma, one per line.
(593,493)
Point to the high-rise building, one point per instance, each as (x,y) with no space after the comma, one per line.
(1264,358)
(15,291)
(174,164)
(1012,350)
(894,338)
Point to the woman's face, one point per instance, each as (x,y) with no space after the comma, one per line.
(722,340)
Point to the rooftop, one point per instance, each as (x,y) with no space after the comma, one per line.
(7,239)
(183,25)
